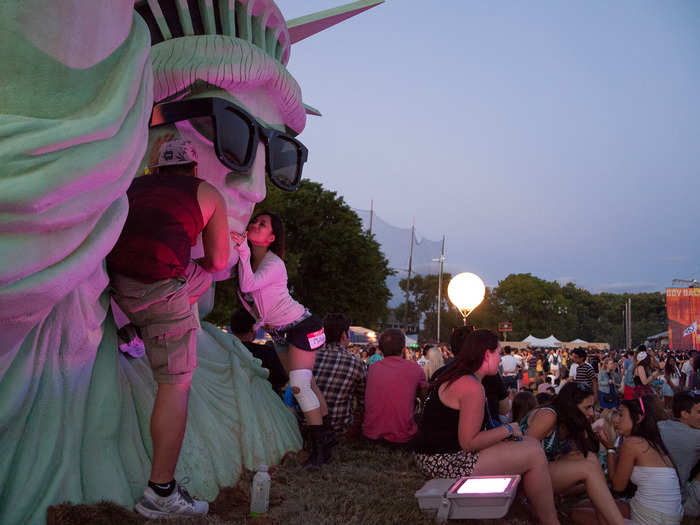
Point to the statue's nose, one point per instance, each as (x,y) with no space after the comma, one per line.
(250,186)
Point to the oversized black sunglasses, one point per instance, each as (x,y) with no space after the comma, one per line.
(235,133)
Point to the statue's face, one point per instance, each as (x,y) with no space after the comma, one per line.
(240,191)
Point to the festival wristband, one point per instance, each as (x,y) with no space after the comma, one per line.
(512,436)
(510,430)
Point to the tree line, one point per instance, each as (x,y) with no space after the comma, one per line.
(335,265)
(538,307)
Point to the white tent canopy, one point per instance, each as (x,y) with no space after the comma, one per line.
(362,335)
(656,337)
(547,342)
(579,341)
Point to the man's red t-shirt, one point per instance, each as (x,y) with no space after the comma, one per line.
(390,396)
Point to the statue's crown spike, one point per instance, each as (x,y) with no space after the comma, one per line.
(306,26)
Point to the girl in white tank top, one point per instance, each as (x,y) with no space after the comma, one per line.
(643,459)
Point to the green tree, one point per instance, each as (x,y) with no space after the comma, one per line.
(423,295)
(531,304)
(333,264)
(424,291)
(400,313)
(541,308)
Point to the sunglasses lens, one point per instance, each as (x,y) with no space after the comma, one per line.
(285,162)
(204,126)
(236,136)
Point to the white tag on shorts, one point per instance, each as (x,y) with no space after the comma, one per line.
(316,339)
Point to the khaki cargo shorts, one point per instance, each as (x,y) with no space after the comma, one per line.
(163,314)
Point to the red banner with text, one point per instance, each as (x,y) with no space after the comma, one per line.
(683,310)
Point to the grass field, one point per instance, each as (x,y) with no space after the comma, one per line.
(363,485)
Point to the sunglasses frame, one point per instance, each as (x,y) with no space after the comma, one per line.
(176,111)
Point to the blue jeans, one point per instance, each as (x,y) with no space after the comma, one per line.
(510,382)
(615,402)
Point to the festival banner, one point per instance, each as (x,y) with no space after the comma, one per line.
(683,312)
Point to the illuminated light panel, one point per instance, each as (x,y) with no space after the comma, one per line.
(484,486)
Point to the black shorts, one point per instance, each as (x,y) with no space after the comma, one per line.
(307,335)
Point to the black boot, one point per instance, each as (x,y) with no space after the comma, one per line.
(320,451)
(329,434)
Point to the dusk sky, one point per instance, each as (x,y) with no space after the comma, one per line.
(556,138)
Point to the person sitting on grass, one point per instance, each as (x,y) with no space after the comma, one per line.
(523,402)
(496,392)
(644,460)
(435,362)
(681,435)
(364,356)
(375,354)
(564,429)
(390,394)
(454,442)
(242,326)
(543,398)
(341,376)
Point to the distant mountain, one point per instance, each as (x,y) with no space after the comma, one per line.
(396,243)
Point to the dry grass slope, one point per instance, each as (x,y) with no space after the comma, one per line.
(361,486)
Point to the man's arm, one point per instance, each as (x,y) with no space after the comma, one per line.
(360,383)
(358,395)
(215,236)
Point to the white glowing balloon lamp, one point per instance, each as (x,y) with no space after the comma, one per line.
(466,291)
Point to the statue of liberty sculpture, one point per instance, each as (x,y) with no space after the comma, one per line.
(80,80)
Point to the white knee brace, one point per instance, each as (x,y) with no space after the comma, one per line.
(300,381)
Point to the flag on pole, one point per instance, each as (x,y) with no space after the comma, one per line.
(692,329)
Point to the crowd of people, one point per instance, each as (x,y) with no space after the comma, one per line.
(575,421)
(618,429)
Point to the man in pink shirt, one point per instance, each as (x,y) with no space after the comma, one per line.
(390,395)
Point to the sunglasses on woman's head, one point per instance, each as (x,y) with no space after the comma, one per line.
(235,133)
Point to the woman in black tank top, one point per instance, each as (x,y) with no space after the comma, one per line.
(454,442)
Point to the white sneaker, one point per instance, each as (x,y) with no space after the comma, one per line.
(179,503)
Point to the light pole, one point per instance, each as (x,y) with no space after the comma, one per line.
(466,291)
(441,260)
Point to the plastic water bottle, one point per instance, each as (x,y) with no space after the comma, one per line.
(260,492)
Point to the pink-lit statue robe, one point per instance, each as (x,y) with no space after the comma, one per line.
(79,78)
